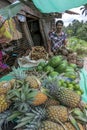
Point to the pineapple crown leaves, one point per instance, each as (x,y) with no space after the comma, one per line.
(18,73)
(32,119)
(24,120)
(13,115)
(40,113)
(22,97)
(49,80)
(74,122)
(80,115)
(3,118)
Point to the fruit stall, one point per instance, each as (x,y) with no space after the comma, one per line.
(46,96)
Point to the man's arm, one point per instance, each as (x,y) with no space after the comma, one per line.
(65,41)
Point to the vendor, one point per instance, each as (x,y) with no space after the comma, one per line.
(57,38)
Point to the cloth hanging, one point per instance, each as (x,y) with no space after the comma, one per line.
(8,31)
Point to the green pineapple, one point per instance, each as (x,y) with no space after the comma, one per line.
(65,96)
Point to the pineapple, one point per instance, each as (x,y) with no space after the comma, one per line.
(33,81)
(3,103)
(49,125)
(24,96)
(66,96)
(57,113)
(40,98)
(80,126)
(69,126)
(51,102)
(4,87)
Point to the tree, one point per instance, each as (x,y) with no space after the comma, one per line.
(84,9)
(77,29)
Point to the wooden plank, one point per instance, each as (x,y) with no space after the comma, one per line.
(45,27)
(27,33)
(29,10)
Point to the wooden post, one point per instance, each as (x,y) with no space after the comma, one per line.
(45,27)
(27,33)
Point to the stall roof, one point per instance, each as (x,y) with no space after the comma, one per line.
(49,6)
(32,10)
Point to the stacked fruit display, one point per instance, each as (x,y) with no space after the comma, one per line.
(57,65)
(44,108)
(44,104)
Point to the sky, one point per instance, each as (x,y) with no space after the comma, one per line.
(68,18)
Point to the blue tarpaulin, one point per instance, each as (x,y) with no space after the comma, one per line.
(48,6)
(83,83)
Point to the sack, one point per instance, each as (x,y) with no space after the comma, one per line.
(27,62)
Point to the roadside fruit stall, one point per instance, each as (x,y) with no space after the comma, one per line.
(44,97)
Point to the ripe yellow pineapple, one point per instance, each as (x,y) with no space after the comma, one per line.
(4,87)
(49,125)
(33,81)
(40,98)
(56,113)
(3,103)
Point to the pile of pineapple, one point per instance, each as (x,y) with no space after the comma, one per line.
(4,88)
(37,104)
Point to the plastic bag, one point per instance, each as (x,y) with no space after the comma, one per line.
(27,62)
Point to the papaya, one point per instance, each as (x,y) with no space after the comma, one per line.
(69,69)
(55,61)
(74,66)
(43,64)
(48,69)
(53,74)
(71,75)
(39,68)
(62,67)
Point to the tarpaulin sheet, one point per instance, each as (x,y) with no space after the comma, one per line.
(48,6)
(83,83)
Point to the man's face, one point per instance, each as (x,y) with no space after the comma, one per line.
(59,26)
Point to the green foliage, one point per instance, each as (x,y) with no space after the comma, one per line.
(78,45)
(77,29)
